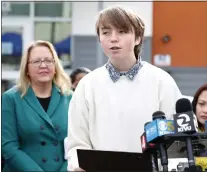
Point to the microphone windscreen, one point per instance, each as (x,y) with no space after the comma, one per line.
(146,124)
(158,115)
(183,105)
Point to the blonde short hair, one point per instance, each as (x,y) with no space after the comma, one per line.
(61,78)
(122,18)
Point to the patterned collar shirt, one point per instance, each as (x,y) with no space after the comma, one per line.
(115,73)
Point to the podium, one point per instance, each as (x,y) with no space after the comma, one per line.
(99,160)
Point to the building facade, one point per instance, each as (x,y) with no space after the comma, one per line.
(173,39)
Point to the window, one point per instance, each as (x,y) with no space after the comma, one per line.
(53,9)
(11,47)
(58,33)
(15,8)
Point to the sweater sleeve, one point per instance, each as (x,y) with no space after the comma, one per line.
(14,156)
(169,93)
(78,127)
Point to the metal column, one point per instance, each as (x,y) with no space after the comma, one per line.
(100,56)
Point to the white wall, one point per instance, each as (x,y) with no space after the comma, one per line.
(143,9)
(84,18)
(85,13)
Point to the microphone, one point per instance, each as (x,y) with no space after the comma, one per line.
(185,121)
(206,126)
(159,115)
(146,147)
(154,130)
(149,148)
(158,127)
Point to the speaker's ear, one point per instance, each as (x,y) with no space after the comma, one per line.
(138,40)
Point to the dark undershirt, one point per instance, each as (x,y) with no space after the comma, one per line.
(44,102)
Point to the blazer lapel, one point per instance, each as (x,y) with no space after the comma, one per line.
(54,101)
(33,102)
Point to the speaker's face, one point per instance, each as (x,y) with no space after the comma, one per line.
(201,107)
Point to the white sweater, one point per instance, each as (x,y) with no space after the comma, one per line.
(105,115)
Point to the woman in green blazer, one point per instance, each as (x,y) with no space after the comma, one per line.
(35,113)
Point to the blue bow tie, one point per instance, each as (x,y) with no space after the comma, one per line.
(115,74)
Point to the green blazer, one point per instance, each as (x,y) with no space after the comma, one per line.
(33,140)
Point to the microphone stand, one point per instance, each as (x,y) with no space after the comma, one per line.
(191,160)
(163,157)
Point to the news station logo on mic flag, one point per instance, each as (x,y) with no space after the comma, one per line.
(185,122)
(159,128)
(165,127)
(151,131)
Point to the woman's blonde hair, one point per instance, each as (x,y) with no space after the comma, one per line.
(61,78)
